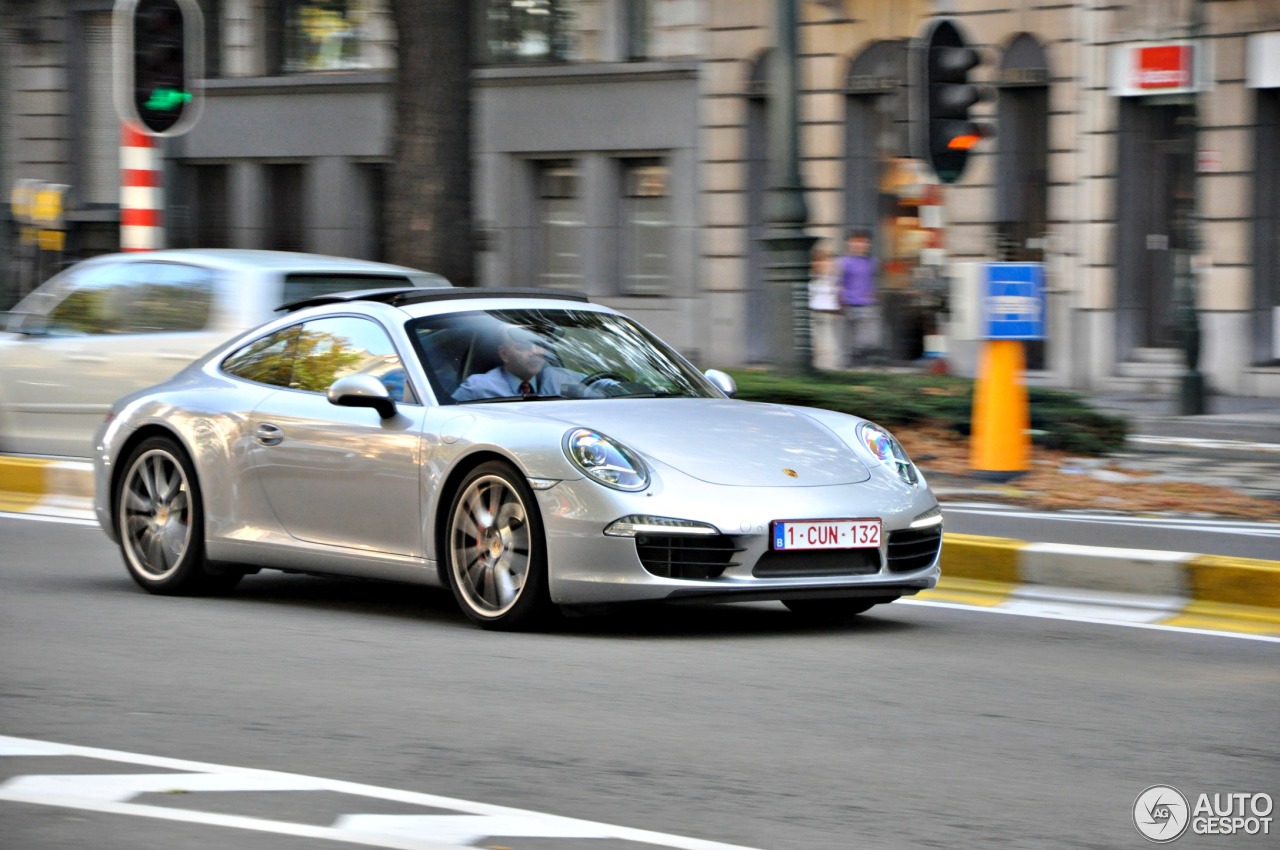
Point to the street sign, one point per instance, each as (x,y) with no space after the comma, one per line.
(1012,301)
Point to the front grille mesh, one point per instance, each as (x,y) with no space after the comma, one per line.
(914,548)
(823,562)
(679,556)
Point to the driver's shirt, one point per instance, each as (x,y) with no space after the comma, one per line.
(499,383)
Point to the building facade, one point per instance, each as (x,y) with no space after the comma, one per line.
(621,149)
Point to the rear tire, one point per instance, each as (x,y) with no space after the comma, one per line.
(834,610)
(159,519)
(495,550)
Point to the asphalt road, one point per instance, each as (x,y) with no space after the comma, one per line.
(917,727)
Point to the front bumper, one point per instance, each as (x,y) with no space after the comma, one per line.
(587,567)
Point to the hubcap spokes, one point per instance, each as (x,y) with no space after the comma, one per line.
(490,546)
(156,514)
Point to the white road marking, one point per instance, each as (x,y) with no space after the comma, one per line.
(408,832)
(464,830)
(1077,616)
(1203,443)
(122,787)
(1218,526)
(66,520)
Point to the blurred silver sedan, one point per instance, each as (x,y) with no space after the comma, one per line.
(121,322)
(527,451)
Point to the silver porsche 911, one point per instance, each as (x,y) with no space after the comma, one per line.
(527,450)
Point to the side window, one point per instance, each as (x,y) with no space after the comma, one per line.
(91,304)
(134,298)
(329,349)
(167,298)
(298,286)
(266,360)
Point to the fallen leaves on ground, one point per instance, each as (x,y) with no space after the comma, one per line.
(1061,481)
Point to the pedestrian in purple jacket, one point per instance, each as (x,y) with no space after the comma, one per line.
(859,298)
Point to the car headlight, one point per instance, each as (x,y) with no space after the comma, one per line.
(608,462)
(888,451)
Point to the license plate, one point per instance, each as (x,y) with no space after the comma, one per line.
(826,534)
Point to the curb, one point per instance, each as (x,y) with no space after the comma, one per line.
(61,488)
(1182,589)
(1136,585)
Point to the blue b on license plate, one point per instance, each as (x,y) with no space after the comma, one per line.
(826,534)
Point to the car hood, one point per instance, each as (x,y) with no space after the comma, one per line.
(720,441)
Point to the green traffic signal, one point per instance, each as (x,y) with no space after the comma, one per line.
(167,100)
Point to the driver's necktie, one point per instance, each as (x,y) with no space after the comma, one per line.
(526,389)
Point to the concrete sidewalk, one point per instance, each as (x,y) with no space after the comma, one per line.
(1182,589)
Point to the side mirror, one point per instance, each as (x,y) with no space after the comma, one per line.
(362,391)
(723,382)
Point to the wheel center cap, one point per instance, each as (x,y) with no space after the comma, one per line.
(493,543)
(162,515)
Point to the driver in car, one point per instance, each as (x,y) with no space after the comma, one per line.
(524,373)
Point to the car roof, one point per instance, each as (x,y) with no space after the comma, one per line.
(403,296)
(246,258)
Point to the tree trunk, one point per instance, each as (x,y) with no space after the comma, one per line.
(429,183)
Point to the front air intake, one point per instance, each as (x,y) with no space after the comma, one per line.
(914,548)
(681,556)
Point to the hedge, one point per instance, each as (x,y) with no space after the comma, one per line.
(1059,419)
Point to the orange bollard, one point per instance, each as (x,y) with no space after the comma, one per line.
(999,443)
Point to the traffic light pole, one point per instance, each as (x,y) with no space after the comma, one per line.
(786,213)
(1191,401)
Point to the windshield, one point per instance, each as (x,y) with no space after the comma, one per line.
(533,355)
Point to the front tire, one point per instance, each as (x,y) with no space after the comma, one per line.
(159,519)
(497,560)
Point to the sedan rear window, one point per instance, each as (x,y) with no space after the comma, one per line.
(308,285)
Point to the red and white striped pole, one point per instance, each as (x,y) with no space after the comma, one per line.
(141,192)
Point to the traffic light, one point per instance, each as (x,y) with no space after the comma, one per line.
(949,132)
(159,56)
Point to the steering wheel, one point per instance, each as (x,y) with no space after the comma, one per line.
(604,375)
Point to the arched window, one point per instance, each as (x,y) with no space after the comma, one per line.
(875,130)
(1022,160)
(1266,227)
(891,195)
(1022,146)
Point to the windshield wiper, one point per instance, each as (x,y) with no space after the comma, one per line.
(506,398)
(652,394)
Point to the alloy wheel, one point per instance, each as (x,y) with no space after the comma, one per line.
(490,546)
(155,514)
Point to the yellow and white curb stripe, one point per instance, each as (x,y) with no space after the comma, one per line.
(60,488)
(1177,589)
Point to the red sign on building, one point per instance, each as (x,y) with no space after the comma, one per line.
(1165,66)
(1155,68)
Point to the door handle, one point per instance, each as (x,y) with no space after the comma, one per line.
(86,358)
(269,435)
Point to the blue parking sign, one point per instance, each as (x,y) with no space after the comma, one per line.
(1013,301)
